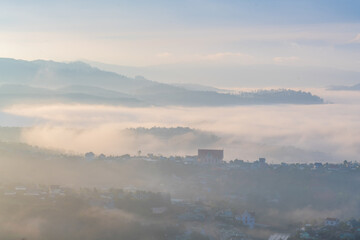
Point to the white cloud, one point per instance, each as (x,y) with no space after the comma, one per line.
(236,57)
(164,55)
(285,59)
(279,132)
(356,39)
(222,55)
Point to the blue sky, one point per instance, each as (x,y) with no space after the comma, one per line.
(204,13)
(141,33)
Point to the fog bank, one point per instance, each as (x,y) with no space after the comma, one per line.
(329,132)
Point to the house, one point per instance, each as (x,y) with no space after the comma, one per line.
(32,193)
(130,189)
(9,193)
(56,190)
(224,214)
(305,235)
(89,156)
(279,236)
(141,195)
(231,234)
(20,188)
(247,218)
(158,210)
(331,221)
(354,224)
(192,216)
(262,161)
(177,201)
(333,167)
(318,165)
(190,159)
(210,156)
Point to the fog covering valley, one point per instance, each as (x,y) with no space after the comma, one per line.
(290,133)
(76,108)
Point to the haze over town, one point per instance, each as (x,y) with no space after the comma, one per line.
(179,120)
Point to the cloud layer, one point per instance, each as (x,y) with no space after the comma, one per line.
(329,132)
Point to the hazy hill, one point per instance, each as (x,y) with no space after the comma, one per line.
(48,81)
(248,76)
(198,87)
(10,134)
(12,94)
(355,87)
(52,74)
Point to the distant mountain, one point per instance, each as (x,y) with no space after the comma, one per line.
(355,87)
(198,138)
(233,76)
(50,74)
(47,81)
(198,87)
(12,94)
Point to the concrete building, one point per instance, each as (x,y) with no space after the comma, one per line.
(210,156)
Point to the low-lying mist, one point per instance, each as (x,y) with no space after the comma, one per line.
(290,133)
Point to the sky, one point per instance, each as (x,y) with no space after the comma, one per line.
(197,32)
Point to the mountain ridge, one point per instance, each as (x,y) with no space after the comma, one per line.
(80,82)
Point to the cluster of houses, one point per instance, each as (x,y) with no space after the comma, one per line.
(333,227)
(191,212)
(247,218)
(230,224)
(330,222)
(216,157)
(37,191)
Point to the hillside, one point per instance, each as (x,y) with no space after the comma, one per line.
(77,82)
(355,87)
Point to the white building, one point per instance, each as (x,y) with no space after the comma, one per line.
(331,221)
(279,236)
(20,188)
(247,218)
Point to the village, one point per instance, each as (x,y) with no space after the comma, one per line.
(196,194)
(215,158)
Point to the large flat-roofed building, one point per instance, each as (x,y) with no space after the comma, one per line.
(210,156)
